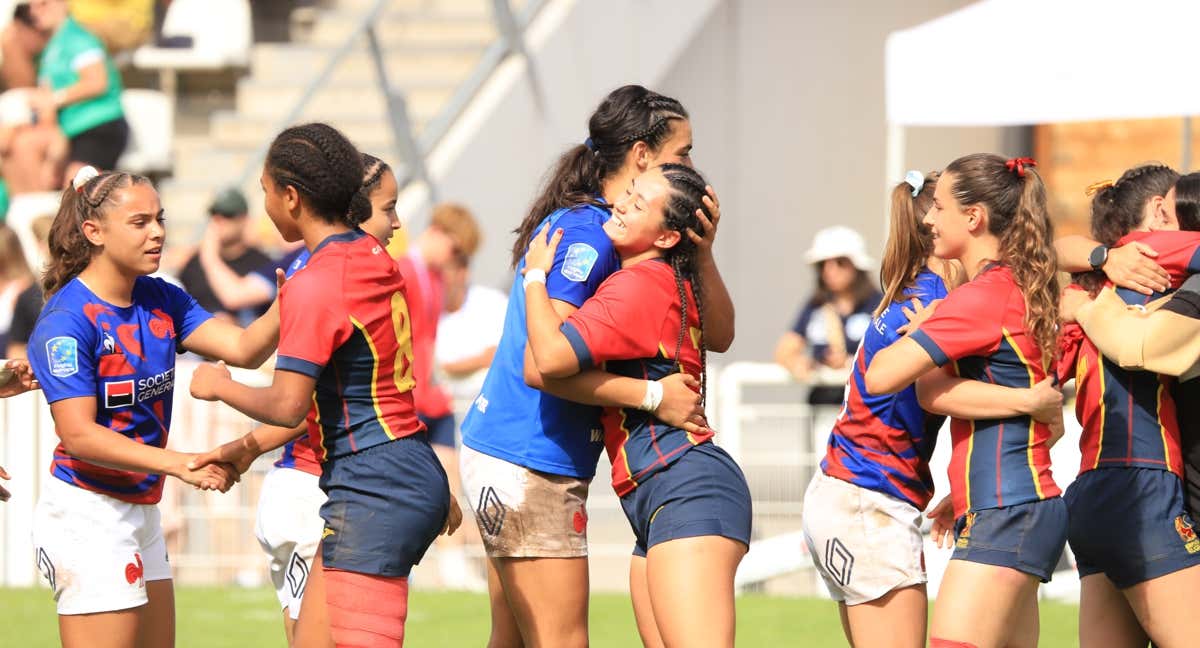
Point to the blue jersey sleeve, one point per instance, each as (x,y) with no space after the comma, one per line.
(584,259)
(62,353)
(186,314)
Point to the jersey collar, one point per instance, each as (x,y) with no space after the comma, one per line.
(344,237)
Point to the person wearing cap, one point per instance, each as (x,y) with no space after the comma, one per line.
(227,276)
(819,347)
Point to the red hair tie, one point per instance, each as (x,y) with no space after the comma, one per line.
(1018,165)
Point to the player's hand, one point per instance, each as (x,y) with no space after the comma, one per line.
(708,227)
(542,249)
(680,406)
(917,315)
(1070,301)
(4,494)
(454,517)
(16,377)
(1044,401)
(280,279)
(220,477)
(238,454)
(206,378)
(1132,266)
(943,523)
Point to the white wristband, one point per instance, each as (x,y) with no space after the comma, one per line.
(536,275)
(653,397)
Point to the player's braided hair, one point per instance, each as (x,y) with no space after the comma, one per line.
(373,170)
(324,168)
(628,115)
(1117,209)
(1015,199)
(70,251)
(679,214)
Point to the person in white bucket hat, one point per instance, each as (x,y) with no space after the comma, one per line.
(819,347)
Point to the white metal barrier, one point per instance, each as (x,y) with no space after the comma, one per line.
(759,413)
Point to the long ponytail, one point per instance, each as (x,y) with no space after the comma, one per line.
(1015,197)
(628,115)
(909,243)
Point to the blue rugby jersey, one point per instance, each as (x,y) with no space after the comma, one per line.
(124,357)
(883,442)
(518,423)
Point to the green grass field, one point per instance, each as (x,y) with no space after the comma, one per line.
(221,618)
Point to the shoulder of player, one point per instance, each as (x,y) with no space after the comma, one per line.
(581,216)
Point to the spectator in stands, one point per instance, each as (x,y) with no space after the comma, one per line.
(819,348)
(21,43)
(79,89)
(15,277)
(468,330)
(227,276)
(30,301)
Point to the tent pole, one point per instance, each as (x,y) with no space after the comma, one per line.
(894,168)
(1185,164)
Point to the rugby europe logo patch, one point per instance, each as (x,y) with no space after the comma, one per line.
(62,353)
(579,261)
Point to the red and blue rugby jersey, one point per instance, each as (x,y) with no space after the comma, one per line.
(1128,417)
(631,327)
(425,292)
(298,453)
(344,321)
(124,358)
(883,443)
(980,326)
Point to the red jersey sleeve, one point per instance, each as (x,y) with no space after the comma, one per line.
(313,321)
(965,323)
(1178,254)
(622,321)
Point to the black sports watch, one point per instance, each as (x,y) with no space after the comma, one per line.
(1098,257)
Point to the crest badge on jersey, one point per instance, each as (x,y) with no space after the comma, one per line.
(63,354)
(1183,526)
(964,538)
(580,260)
(118,394)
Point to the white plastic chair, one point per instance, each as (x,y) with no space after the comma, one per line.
(221,33)
(151,118)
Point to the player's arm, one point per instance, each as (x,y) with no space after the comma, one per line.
(1128,266)
(941,392)
(897,366)
(1166,340)
(283,403)
(82,437)
(718,308)
(240,453)
(239,347)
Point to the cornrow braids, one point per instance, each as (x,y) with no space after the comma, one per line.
(628,115)
(373,170)
(70,250)
(679,214)
(324,168)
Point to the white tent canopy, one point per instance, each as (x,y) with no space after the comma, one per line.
(1010,62)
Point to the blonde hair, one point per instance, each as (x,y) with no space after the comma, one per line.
(457,222)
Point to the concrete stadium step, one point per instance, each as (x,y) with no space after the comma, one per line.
(432,63)
(232,130)
(362,99)
(415,5)
(332,28)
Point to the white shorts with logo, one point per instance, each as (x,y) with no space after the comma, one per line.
(524,513)
(864,543)
(97,552)
(289,527)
